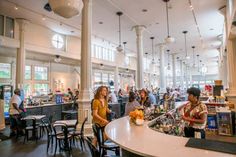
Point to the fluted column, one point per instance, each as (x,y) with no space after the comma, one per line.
(84,109)
(139,40)
(231,56)
(162,68)
(20,57)
(173,70)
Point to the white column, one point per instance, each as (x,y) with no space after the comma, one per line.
(20,57)
(84,109)
(225,72)
(231,56)
(162,69)
(116,85)
(139,40)
(174,70)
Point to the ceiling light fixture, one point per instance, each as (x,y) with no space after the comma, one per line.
(119,48)
(168,58)
(185,45)
(153,61)
(16,7)
(66,8)
(146,60)
(169,39)
(57,59)
(194,65)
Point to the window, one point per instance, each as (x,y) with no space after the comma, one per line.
(97,77)
(41,89)
(28,72)
(9,27)
(105,78)
(1,24)
(5,70)
(57,41)
(127,60)
(40,73)
(27,90)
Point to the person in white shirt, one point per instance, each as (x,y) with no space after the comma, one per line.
(112,97)
(14,110)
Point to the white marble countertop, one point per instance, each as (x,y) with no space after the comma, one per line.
(144,141)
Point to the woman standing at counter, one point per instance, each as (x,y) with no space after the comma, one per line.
(195,115)
(100,108)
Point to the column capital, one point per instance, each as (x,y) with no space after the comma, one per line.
(22,23)
(139,29)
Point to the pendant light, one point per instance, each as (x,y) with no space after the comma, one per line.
(185,45)
(119,48)
(57,59)
(168,58)
(168,39)
(198,64)
(194,65)
(146,60)
(124,43)
(153,61)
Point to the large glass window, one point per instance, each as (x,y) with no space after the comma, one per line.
(9,27)
(1,24)
(97,77)
(40,73)
(41,88)
(27,72)
(5,70)
(105,78)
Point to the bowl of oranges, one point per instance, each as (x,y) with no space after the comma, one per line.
(137,117)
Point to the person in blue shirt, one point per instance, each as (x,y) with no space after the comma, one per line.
(152,98)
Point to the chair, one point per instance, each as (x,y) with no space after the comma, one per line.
(93,150)
(104,145)
(46,124)
(31,126)
(62,137)
(80,134)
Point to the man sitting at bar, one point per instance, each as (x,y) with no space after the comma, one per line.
(195,115)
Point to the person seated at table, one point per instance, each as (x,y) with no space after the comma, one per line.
(132,104)
(100,109)
(15,113)
(144,99)
(195,115)
(70,93)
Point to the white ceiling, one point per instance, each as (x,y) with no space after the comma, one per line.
(154,19)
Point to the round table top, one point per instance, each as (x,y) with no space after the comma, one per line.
(144,141)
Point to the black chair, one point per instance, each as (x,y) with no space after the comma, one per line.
(104,145)
(49,130)
(80,134)
(62,137)
(31,126)
(93,150)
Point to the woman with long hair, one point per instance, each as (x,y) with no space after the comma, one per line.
(132,104)
(100,108)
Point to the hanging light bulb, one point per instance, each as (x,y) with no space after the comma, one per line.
(119,48)
(198,62)
(146,60)
(153,61)
(57,59)
(185,45)
(168,39)
(168,58)
(194,65)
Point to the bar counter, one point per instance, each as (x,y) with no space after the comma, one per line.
(143,141)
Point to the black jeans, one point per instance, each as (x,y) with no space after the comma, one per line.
(189,132)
